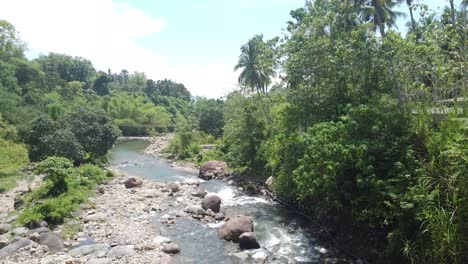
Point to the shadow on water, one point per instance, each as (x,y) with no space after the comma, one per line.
(279,231)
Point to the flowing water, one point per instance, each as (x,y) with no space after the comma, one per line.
(279,231)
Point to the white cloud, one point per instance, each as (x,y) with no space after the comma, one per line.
(212,80)
(107,33)
(102,31)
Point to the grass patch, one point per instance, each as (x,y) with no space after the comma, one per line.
(8,181)
(63,191)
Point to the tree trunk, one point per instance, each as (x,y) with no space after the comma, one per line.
(452,11)
(413,23)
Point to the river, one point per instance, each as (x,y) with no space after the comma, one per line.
(280,232)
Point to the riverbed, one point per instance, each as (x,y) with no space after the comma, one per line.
(280,232)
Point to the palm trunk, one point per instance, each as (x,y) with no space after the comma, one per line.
(265,108)
(413,23)
(452,11)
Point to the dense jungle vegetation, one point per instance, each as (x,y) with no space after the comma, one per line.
(362,127)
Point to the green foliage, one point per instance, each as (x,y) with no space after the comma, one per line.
(56,170)
(213,154)
(13,156)
(93,129)
(210,116)
(135,115)
(167,88)
(63,191)
(185,145)
(244,132)
(63,143)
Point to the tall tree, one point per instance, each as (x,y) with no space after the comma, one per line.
(256,70)
(382,13)
(257,64)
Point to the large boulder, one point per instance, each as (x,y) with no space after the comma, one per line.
(212,202)
(52,240)
(248,240)
(236,226)
(133,182)
(212,169)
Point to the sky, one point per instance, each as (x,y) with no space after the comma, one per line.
(196,43)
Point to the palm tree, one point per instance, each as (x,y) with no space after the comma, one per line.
(257,69)
(381,13)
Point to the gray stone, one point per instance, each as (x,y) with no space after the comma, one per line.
(43,224)
(39,230)
(52,240)
(96,249)
(248,240)
(119,251)
(170,248)
(174,187)
(241,255)
(198,192)
(20,231)
(13,247)
(95,217)
(11,218)
(194,210)
(161,240)
(212,202)
(5,228)
(3,241)
(98,261)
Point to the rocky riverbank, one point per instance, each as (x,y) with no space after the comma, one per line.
(156,150)
(117,225)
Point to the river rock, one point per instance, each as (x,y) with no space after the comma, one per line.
(20,231)
(248,240)
(192,182)
(39,230)
(99,261)
(269,182)
(194,210)
(119,251)
(174,187)
(133,182)
(212,202)
(212,169)
(11,218)
(3,241)
(161,240)
(170,248)
(234,227)
(52,240)
(13,247)
(95,217)
(250,189)
(198,192)
(96,249)
(241,255)
(5,228)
